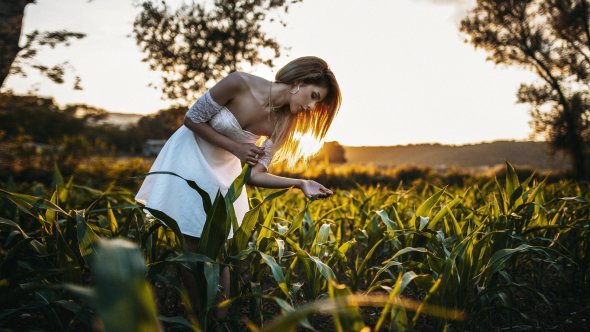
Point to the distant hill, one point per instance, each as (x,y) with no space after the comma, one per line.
(121,119)
(482,155)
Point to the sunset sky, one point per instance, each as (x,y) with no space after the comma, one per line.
(405,72)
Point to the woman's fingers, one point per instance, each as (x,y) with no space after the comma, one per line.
(258,151)
(255,154)
(314,190)
(326,191)
(321,195)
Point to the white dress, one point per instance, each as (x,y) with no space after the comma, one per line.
(211,167)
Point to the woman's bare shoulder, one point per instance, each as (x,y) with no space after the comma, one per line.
(238,84)
(251,80)
(230,86)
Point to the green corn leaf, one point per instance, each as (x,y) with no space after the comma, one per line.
(298,219)
(323,234)
(287,308)
(501,257)
(215,230)
(31,202)
(276,272)
(57,182)
(423,222)
(179,321)
(398,315)
(280,247)
(51,215)
(234,191)
(204,195)
(36,245)
(120,288)
(265,230)
(407,250)
(189,257)
(386,220)
(65,192)
(168,221)
(443,211)
(324,269)
(424,209)
(211,271)
(367,259)
(244,232)
(66,257)
(512,182)
(432,292)
(349,317)
(113,225)
(86,237)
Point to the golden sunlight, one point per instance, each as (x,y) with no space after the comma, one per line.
(308,144)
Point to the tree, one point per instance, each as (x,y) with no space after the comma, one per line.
(14,58)
(552,39)
(198,43)
(332,151)
(162,124)
(37,117)
(88,114)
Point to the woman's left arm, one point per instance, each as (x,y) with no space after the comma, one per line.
(311,189)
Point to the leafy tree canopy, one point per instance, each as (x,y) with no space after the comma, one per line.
(552,39)
(197,43)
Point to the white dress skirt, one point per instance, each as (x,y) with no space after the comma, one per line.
(211,167)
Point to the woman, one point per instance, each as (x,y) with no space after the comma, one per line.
(221,129)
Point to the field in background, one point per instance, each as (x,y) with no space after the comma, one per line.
(498,254)
(481,156)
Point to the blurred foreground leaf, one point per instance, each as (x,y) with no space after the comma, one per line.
(124,298)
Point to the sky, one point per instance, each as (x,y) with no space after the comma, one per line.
(405,72)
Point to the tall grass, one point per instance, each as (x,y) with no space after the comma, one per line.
(496,254)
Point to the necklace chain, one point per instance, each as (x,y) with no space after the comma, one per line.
(270,105)
(269,100)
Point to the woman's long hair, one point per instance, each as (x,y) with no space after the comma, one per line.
(290,128)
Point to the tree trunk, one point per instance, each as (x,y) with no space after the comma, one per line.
(579,160)
(575,142)
(11,20)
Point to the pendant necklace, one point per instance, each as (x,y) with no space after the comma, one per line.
(270,108)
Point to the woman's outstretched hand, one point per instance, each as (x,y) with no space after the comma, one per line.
(248,153)
(314,190)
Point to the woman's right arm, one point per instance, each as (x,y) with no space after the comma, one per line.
(222,93)
(246,152)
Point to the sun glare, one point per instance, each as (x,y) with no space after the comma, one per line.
(309,145)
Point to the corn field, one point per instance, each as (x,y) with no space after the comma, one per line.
(507,254)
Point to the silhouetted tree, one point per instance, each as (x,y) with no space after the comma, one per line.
(552,39)
(37,117)
(162,124)
(14,58)
(198,43)
(333,151)
(89,114)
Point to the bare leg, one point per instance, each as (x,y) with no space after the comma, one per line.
(186,276)
(189,282)
(221,313)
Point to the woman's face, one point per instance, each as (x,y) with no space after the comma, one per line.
(305,99)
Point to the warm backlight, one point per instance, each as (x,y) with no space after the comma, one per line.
(309,145)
